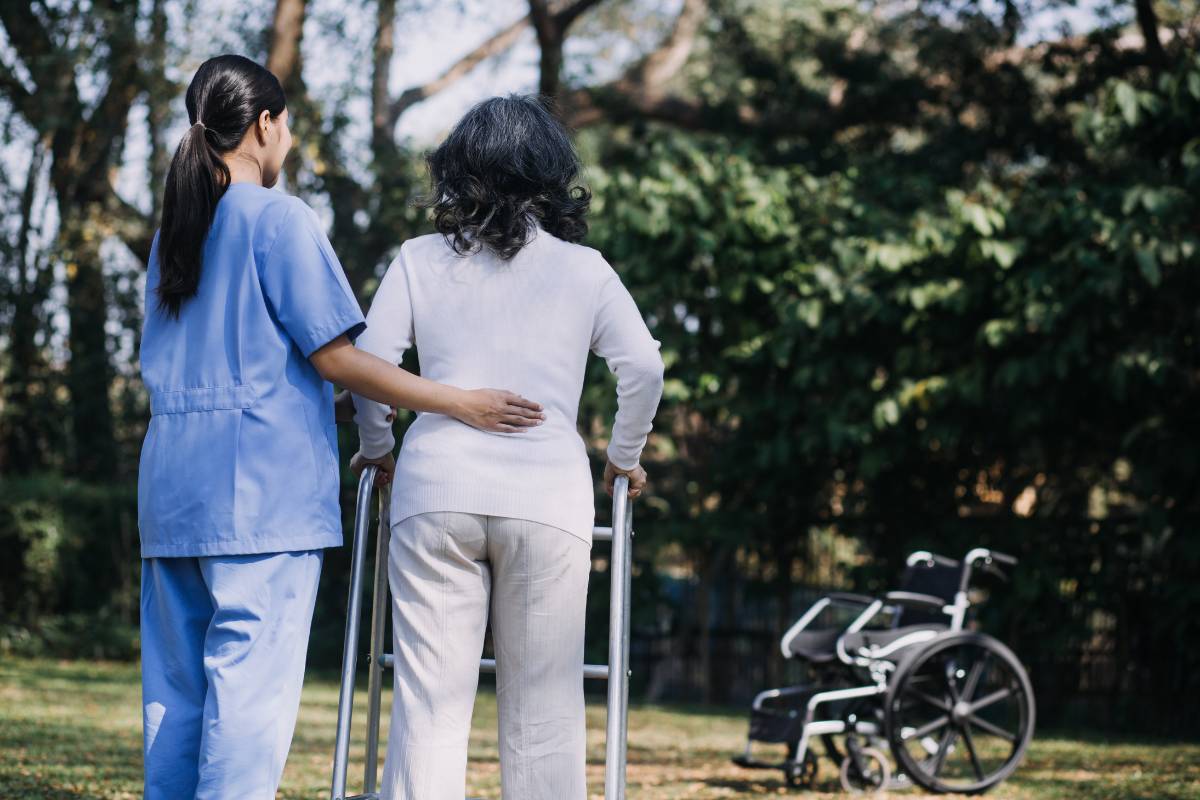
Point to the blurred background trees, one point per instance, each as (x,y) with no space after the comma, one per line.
(924,272)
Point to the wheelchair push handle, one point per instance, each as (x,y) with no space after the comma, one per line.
(992,561)
(983,557)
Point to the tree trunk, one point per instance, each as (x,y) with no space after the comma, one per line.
(158,109)
(287,30)
(285,61)
(89,374)
(84,149)
(550,66)
(1148,22)
(383,141)
(21,436)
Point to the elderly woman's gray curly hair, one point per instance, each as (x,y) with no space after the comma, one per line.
(507,164)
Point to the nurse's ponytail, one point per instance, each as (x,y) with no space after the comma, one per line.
(224,99)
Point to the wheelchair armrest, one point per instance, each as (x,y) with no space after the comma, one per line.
(915,599)
(772,694)
(850,599)
(834,598)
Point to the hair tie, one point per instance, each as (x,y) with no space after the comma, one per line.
(201,124)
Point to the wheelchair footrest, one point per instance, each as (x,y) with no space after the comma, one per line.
(754,763)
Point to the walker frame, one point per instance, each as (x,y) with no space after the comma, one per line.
(617,671)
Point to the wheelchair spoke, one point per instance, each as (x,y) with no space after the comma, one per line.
(969,741)
(994,730)
(925,730)
(991,699)
(939,758)
(941,705)
(976,673)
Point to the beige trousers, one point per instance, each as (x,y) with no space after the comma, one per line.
(446,569)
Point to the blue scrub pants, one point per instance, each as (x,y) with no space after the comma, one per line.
(224,640)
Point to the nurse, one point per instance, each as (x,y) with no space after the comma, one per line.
(248,319)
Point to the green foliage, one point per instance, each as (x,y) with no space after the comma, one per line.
(68,581)
(909,371)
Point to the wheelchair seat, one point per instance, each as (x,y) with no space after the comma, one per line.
(817,647)
(935,577)
(889,643)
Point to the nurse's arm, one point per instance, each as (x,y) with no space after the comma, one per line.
(342,363)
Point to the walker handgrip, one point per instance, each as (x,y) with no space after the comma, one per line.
(1003,558)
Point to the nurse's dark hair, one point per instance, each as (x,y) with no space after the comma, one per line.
(508,163)
(224,99)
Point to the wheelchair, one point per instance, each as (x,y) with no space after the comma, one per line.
(902,682)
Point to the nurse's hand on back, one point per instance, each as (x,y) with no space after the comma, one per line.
(487,409)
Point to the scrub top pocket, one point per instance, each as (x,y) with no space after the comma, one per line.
(193,435)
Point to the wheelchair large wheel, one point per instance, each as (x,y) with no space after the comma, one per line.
(959,713)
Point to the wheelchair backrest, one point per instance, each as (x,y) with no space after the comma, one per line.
(936,575)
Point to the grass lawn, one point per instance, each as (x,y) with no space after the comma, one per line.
(73,730)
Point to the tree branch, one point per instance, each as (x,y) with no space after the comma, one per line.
(568,15)
(641,91)
(662,64)
(110,117)
(31,40)
(493,46)
(551,28)
(54,81)
(21,98)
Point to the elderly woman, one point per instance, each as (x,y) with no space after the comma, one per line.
(504,294)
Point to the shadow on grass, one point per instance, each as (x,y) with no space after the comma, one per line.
(51,759)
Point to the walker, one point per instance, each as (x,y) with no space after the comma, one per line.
(616,671)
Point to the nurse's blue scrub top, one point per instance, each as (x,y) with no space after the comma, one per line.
(241,453)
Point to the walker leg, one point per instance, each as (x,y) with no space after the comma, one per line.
(362,521)
(379,607)
(618,643)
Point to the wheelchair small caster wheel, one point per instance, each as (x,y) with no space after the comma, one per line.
(872,774)
(802,775)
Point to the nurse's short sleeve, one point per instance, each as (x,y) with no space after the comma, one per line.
(305,285)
